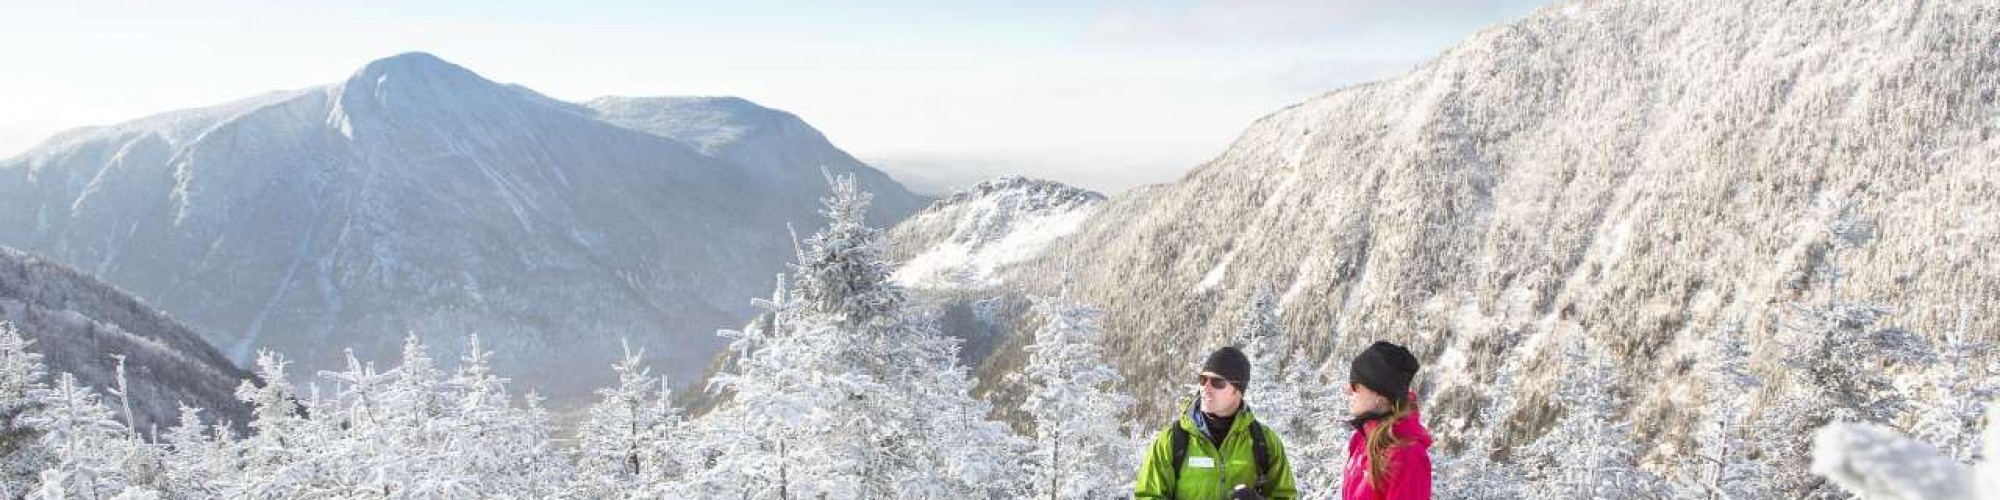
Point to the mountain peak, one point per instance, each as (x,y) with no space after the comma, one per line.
(413,65)
(421,86)
(419,74)
(1043,193)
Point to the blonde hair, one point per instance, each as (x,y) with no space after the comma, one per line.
(1382,438)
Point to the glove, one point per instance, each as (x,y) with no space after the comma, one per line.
(1245,493)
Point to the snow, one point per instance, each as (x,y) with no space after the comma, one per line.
(1874,462)
(988,227)
(1299,280)
(436,178)
(1215,274)
(976,262)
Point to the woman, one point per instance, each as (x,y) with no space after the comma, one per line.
(1389,455)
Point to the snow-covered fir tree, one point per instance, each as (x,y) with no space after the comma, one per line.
(1587,453)
(632,439)
(60,440)
(1316,442)
(1079,445)
(1724,464)
(1957,389)
(142,464)
(1841,354)
(276,459)
(86,438)
(1472,473)
(1839,359)
(1258,335)
(968,453)
(844,391)
(22,455)
(197,457)
(506,448)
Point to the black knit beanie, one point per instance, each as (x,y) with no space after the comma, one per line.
(1231,364)
(1386,369)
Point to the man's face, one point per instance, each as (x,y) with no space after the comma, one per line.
(1223,400)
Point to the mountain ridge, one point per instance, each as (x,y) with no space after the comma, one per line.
(416,195)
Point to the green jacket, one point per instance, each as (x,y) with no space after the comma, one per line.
(1236,464)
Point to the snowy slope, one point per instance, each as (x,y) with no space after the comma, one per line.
(418,196)
(1644,174)
(77,323)
(958,242)
(778,145)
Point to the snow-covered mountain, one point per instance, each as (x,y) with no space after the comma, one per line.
(417,196)
(778,146)
(959,241)
(78,323)
(1640,175)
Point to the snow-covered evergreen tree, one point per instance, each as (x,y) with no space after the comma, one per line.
(22,455)
(88,441)
(844,390)
(1473,473)
(1588,454)
(1958,390)
(506,448)
(1841,353)
(1839,357)
(197,457)
(277,459)
(1725,465)
(1077,411)
(1258,335)
(632,438)
(1318,430)
(140,463)
(738,451)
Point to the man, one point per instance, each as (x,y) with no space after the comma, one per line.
(1215,449)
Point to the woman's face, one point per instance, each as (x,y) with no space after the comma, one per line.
(1361,400)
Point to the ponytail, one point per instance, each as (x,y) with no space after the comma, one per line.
(1382,438)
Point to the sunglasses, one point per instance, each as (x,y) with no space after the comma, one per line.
(1217,383)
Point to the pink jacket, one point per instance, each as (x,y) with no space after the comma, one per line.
(1409,463)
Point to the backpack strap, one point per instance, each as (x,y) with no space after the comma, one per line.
(1262,452)
(1260,449)
(1178,437)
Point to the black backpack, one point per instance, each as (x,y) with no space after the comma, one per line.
(1258,449)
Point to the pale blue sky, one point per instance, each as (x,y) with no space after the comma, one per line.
(1105,94)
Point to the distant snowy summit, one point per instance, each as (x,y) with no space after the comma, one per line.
(960,241)
(418,196)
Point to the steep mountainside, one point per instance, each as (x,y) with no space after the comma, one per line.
(78,323)
(1643,174)
(418,196)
